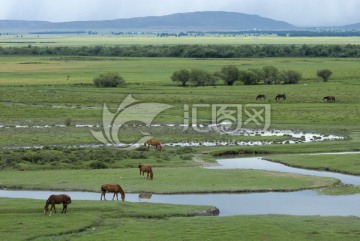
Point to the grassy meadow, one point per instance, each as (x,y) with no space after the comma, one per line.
(51,102)
(143,39)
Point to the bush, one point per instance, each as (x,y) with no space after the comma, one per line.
(181,76)
(291,77)
(98,165)
(324,74)
(229,74)
(109,80)
(201,77)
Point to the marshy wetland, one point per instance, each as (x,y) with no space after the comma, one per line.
(49,106)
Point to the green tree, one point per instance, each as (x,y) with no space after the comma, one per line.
(290,76)
(109,79)
(201,77)
(271,75)
(250,77)
(229,74)
(324,74)
(182,76)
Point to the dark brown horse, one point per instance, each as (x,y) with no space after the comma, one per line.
(329,98)
(153,142)
(280,96)
(145,168)
(115,188)
(57,199)
(259,97)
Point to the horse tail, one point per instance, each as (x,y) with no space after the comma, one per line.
(151,173)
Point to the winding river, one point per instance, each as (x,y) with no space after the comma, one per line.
(306,202)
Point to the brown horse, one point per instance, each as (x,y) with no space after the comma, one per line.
(259,97)
(115,188)
(329,98)
(57,199)
(280,96)
(145,168)
(153,142)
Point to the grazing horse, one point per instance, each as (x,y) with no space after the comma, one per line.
(57,199)
(115,188)
(153,142)
(259,97)
(145,168)
(329,98)
(280,96)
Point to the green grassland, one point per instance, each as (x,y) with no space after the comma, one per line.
(105,39)
(38,91)
(52,91)
(188,180)
(93,220)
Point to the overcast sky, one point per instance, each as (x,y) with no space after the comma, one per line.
(296,12)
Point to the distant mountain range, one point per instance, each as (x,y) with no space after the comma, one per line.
(194,21)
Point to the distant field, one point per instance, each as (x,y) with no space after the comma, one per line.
(156,71)
(32,86)
(85,40)
(37,94)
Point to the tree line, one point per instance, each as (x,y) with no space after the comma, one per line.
(190,51)
(230,74)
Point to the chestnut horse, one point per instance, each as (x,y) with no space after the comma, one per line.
(259,97)
(153,142)
(329,98)
(145,168)
(115,188)
(57,199)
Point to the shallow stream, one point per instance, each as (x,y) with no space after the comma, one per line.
(306,202)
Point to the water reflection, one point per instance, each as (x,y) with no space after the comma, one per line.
(258,163)
(292,203)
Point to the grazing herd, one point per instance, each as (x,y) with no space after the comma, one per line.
(328,98)
(113,188)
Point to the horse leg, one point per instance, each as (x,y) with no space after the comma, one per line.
(102,194)
(113,196)
(52,207)
(64,208)
(117,196)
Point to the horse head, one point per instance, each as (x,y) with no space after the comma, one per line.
(46,210)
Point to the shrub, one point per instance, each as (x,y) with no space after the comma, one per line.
(109,79)
(181,76)
(98,165)
(291,77)
(324,74)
